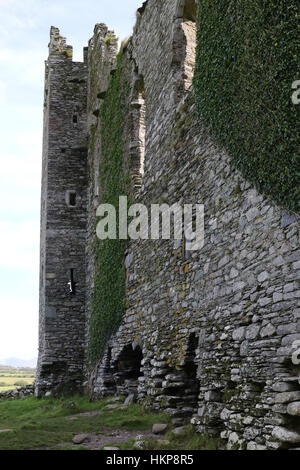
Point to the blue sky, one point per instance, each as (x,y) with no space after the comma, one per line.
(24,36)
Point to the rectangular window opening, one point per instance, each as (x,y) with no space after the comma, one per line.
(71,198)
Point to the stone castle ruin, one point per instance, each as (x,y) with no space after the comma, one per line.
(209,335)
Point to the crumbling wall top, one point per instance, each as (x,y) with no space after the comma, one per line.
(58,45)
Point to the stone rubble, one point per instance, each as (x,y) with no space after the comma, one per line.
(21,392)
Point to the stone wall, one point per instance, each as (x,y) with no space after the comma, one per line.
(207,335)
(21,392)
(102,53)
(229,310)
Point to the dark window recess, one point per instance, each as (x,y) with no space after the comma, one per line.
(101,95)
(42,274)
(71,282)
(75,119)
(183,246)
(71,198)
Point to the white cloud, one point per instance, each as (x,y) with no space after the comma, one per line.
(20,174)
(26,65)
(25,155)
(19,245)
(7,3)
(2,92)
(29,14)
(18,328)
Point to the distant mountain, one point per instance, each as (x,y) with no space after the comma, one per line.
(16,362)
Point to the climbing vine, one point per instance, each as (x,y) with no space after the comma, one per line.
(108,303)
(246,63)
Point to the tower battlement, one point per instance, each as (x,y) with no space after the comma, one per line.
(58,46)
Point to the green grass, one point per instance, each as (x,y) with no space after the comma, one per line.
(108,303)
(44,423)
(39,423)
(190,440)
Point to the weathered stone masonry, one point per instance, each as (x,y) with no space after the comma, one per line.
(63,221)
(207,335)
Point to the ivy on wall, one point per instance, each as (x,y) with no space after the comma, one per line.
(108,302)
(245,66)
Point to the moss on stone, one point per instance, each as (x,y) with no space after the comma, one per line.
(109,302)
(245,66)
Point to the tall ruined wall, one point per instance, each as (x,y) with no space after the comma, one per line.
(102,53)
(155,89)
(117,145)
(63,223)
(207,334)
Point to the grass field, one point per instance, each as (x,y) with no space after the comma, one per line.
(11,378)
(52,423)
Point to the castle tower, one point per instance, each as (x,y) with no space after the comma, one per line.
(63,222)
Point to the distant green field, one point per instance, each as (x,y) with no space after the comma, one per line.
(11,378)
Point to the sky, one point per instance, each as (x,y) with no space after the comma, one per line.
(24,37)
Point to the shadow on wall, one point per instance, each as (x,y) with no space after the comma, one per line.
(181,387)
(190,10)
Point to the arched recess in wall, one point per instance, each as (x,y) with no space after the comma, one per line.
(128,369)
(138,133)
(184,42)
(182,386)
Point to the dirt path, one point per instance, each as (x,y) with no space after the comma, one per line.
(107,436)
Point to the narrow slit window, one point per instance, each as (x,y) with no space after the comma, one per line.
(190,32)
(138,133)
(75,119)
(71,282)
(71,198)
(42,274)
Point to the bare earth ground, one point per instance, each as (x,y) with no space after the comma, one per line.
(107,437)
